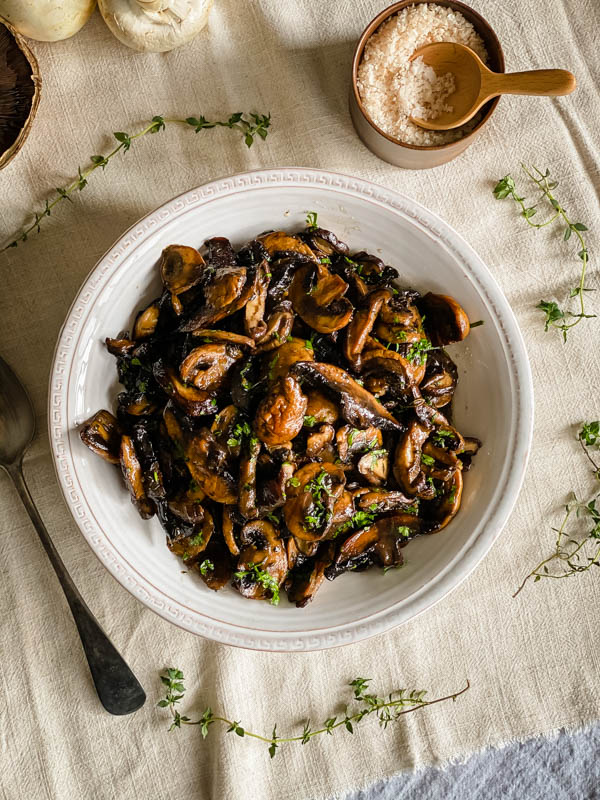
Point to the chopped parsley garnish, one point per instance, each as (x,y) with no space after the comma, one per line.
(206,566)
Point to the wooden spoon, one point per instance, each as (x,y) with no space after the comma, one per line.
(476,84)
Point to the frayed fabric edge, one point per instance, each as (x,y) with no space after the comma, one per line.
(572,728)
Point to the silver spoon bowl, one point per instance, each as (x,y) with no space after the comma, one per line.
(118,689)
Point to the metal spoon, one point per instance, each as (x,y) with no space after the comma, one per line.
(475,84)
(118,688)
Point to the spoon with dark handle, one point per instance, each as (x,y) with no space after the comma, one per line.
(118,689)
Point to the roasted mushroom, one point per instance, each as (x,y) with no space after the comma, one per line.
(281,242)
(317,297)
(262,565)
(358,406)
(311,496)
(207,462)
(280,415)
(146,322)
(206,367)
(181,268)
(446,320)
(134,478)
(101,433)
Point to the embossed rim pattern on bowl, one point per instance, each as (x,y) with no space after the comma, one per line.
(194,621)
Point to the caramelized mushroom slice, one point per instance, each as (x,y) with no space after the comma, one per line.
(382,501)
(279,241)
(280,415)
(279,327)
(134,478)
(247,483)
(399,319)
(400,371)
(102,434)
(214,565)
(210,335)
(324,242)
(407,460)
(181,268)
(121,346)
(374,466)
(350,440)
(263,557)
(228,525)
(207,462)
(362,325)
(441,376)
(227,292)
(188,507)
(146,322)
(138,405)
(320,302)
(223,425)
(309,577)
(311,497)
(447,508)
(206,367)
(318,444)
(194,402)
(358,406)
(447,321)
(189,547)
(254,323)
(219,252)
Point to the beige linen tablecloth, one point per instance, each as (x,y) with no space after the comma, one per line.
(534,661)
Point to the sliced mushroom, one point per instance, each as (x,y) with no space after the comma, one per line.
(173,428)
(121,346)
(283,269)
(317,297)
(225,293)
(447,321)
(470,448)
(194,402)
(247,482)
(206,367)
(311,496)
(150,463)
(358,406)
(181,267)
(399,319)
(318,444)
(279,327)
(223,424)
(228,526)
(324,242)
(374,466)
(134,478)
(212,335)
(439,382)
(382,501)
(188,507)
(273,478)
(254,323)
(393,534)
(305,583)
(407,461)
(219,252)
(321,408)
(214,565)
(290,352)
(190,547)
(351,440)
(362,325)
(262,548)
(399,370)
(146,322)
(207,462)
(137,405)
(446,508)
(280,415)
(102,434)
(279,242)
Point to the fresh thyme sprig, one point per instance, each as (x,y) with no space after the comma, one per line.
(250,126)
(572,556)
(556,317)
(386,709)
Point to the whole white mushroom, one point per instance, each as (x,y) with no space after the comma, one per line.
(155,25)
(47,20)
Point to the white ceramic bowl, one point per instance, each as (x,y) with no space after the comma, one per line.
(494,401)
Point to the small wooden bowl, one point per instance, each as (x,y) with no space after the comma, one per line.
(30,105)
(412,156)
